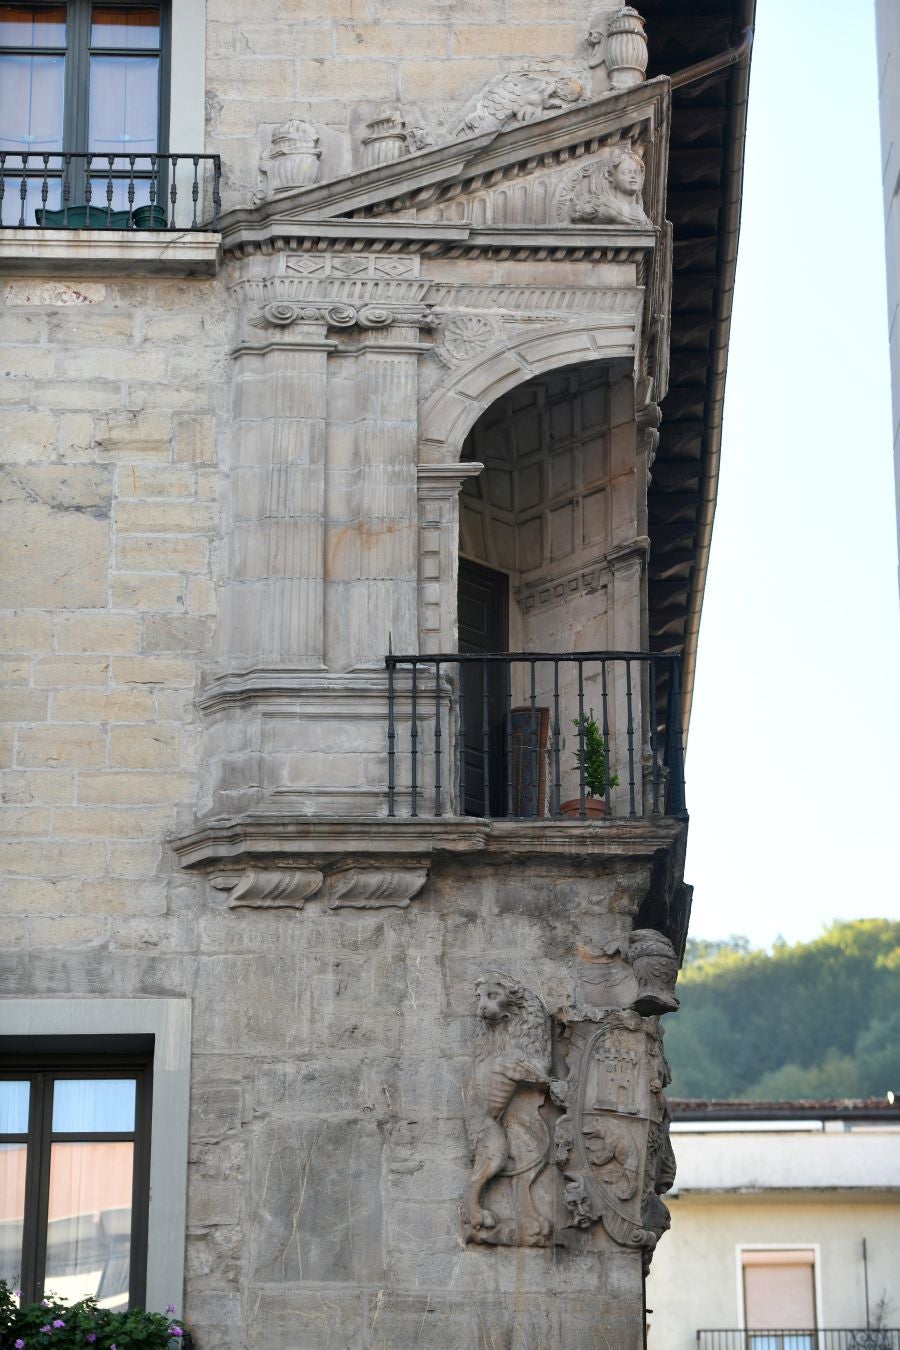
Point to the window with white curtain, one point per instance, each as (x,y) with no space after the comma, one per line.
(86,76)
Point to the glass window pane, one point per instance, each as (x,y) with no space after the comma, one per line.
(93,1105)
(31,102)
(12,1211)
(32,25)
(124,107)
(14,1107)
(125,26)
(89,1222)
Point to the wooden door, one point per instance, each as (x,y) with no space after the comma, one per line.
(483,610)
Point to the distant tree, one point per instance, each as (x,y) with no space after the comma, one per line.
(806,1020)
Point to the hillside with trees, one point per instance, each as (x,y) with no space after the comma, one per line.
(814,1020)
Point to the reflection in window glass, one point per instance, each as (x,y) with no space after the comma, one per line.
(32,25)
(12,200)
(12,1210)
(89,1222)
(31,102)
(125,26)
(14,1107)
(99,187)
(93,1105)
(124,104)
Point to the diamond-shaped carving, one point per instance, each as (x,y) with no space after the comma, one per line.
(349,267)
(396,267)
(308,267)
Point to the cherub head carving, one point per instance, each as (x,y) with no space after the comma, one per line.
(625,175)
(611,194)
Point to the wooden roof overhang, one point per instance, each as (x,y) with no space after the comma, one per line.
(703,203)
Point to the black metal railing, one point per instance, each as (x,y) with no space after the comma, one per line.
(78,191)
(512,734)
(803,1339)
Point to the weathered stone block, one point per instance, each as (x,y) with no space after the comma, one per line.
(316,1202)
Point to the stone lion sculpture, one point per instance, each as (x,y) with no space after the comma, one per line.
(513,1048)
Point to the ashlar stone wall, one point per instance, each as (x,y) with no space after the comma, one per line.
(110,525)
(337,62)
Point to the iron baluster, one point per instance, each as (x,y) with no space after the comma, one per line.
(109,190)
(437,738)
(173,190)
(557,781)
(2,182)
(154,182)
(391,738)
(506,675)
(629,732)
(131,159)
(582,804)
(23,189)
(604,696)
(414,738)
(45,189)
(88,185)
(66,189)
(675,748)
(535,751)
(654,731)
(195,190)
(486,738)
(217,200)
(461,734)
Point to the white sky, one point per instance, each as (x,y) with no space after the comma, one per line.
(794,757)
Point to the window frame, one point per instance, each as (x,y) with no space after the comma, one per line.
(77,54)
(775,1247)
(168,1021)
(109,1057)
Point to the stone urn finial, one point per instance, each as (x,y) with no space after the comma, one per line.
(292,159)
(626,50)
(387,139)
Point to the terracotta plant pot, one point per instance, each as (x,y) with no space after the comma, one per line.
(594,807)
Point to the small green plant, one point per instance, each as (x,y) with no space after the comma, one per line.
(52,1325)
(595,775)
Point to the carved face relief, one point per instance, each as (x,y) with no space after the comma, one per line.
(627,175)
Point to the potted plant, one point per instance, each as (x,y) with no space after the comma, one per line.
(593,747)
(55,1325)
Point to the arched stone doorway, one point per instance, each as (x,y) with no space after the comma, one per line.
(552,555)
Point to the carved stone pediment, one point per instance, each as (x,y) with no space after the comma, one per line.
(544,174)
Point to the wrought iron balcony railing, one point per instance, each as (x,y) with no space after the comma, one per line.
(531,734)
(819,1339)
(80,191)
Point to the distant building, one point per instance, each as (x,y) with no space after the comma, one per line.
(786,1220)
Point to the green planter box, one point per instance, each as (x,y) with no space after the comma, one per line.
(97,218)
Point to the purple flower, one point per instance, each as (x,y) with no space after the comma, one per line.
(45,1330)
(170,1308)
(174,1331)
(17,1293)
(45,1303)
(58,1322)
(19,1344)
(90,1337)
(112,1345)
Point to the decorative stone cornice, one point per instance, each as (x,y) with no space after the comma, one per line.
(587,577)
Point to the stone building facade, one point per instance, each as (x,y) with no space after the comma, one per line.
(455,315)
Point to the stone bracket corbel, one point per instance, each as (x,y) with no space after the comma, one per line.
(346,886)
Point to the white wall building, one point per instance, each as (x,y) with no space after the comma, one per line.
(770,1211)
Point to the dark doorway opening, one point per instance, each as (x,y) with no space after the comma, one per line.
(483,610)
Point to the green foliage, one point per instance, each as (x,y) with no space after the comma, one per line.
(809,1021)
(82,1325)
(594,757)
